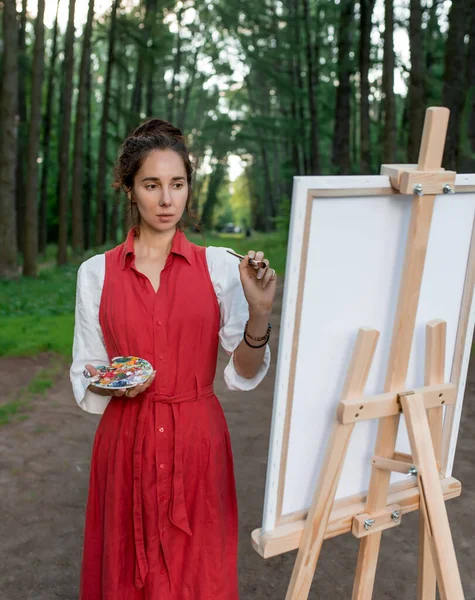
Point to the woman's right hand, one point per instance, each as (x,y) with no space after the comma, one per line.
(134,391)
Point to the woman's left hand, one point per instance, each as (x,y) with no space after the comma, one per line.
(259,285)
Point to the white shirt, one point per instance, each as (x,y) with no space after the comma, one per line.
(88,342)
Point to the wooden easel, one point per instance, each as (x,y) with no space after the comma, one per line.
(422,409)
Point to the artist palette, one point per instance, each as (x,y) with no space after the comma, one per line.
(123,372)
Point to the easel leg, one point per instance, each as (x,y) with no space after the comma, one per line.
(322,504)
(436,334)
(427,580)
(432,499)
(319,513)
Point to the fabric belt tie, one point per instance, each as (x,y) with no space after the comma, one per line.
(177,509)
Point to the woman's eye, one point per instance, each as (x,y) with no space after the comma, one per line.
(151,186)
(179,184)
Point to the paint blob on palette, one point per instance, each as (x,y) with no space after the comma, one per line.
(123,372)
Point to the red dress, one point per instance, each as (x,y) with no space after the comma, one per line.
(161,517)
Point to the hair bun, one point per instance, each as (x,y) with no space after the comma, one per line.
(158,126)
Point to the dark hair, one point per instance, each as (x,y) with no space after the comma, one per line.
(153,134)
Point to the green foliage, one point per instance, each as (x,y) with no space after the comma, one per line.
(26,336)
(50,294)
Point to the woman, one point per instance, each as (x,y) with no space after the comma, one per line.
(161,517)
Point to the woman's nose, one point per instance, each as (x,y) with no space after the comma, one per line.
(165,199)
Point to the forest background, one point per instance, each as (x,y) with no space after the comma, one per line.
(262,90)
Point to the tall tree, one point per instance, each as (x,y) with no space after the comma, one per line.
(174,95)
(215,180)
(77,187)
(8,141)
(22,133)
(470,107)
(454,80)
(66,100)
(294,75)
(302,130)
(341,138)
(101,204)
(366,11)
(88,162)
(31,192)
(389,102)
(416,91)
(46,141)
(312,84)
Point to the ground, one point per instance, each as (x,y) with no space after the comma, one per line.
(44,469)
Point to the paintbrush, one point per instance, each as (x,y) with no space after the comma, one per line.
(258,264)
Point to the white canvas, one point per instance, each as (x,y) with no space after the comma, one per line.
(355,259)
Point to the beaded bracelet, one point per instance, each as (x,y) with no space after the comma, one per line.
(258,339)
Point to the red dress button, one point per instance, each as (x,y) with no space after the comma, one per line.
(160,356)
(159,323)
(162,465)
(161,430)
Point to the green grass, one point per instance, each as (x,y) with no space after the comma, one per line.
(26,336)
(52,293)
(12,411)
(17,409)
(37,314)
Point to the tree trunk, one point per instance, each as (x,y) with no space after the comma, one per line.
(77,191)
(121,131)
(22,132)
(88,163)
(267,200)
(216,179)
(389,137)
(43,216)
(312,76)
(63,192)
(189,87)
(174,97)
(416,92)
(302,130)
(31,192)
(150,20)
(8,142)
(101,204)
(136,100)
(366,8)
(341,138)
(292,70)
(454,80)
(470,167)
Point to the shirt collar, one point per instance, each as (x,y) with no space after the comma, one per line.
(180,245)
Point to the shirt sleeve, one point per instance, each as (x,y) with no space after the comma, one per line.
(234,310)
(88,341)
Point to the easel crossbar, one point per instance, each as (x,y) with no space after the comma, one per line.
(389,404)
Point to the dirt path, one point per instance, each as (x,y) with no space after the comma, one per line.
(44,469)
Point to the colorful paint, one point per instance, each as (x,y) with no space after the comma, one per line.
(123,372)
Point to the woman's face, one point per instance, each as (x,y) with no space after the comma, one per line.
(161,189)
